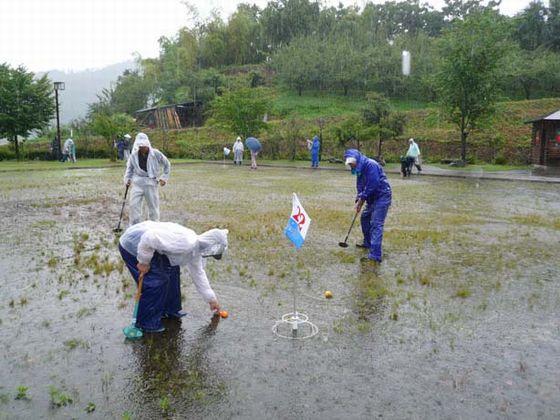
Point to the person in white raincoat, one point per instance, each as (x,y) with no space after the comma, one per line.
(414,152)
(127,148)
(143,173)
(159,249)
(238,150)
(69,151)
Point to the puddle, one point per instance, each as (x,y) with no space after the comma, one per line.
(460,320)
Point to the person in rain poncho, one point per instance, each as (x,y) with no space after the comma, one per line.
(314,147)
(238,150)
(414,152)
(374,190)
(159,249)
(69,151)
(143,172)
(127,148)
(120,148)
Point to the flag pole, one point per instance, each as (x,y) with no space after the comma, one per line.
(294,291)
(295,231)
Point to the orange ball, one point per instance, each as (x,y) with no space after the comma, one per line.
(224,314)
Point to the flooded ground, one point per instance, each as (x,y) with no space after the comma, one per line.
(462,320)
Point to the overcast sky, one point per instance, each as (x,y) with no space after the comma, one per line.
(78,34)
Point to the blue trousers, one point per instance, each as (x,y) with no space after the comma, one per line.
(373,220)
(314,159)
(161,290)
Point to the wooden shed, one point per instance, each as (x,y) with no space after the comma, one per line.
(172,117)
(545,149)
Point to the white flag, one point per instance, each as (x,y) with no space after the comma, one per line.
(298,225)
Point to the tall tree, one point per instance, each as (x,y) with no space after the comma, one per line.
(242,111)
(381,121)
(283,20)
(110,127)
(530,26)
(131,92)
(297,63)
(345,64)
(26,104)
(553,25)
(460,9)
(468,79)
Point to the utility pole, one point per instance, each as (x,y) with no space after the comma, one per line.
(58,86)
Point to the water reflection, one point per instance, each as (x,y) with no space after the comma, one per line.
(174,374)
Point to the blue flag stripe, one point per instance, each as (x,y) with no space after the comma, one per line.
(293,234)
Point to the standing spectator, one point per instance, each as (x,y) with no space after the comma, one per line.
(414,152)
(68,151)
(238,150)
(315,146)
(127,146)
(121,147)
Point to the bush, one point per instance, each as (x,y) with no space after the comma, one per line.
(500,160)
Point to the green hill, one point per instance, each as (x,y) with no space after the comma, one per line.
(505,138)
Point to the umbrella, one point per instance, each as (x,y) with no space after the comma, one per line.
(253,144)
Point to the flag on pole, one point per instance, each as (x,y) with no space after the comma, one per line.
(299,222)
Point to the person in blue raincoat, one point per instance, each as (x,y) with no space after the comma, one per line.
(314,147)
(121,145)
(374,190)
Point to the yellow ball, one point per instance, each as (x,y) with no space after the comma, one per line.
(328,294)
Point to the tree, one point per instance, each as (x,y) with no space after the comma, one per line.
(553,26)
(131,92)
(345,65)
(461,9)
(242,111)
(379,120)
(110,127)
(297,63)
(532,72)
(26,104)
(284,20)
(468,78)
(290,131)
(530,26)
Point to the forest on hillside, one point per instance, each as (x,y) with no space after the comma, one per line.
(304,47)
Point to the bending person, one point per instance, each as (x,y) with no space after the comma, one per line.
(158,249)
(374,190)
(143,172)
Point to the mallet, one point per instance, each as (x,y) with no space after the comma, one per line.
(345,243)
(118,229)
(132,331)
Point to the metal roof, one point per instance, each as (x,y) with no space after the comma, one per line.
(179,105)
(555,116)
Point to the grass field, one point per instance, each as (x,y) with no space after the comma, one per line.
(460,320)
(309,106)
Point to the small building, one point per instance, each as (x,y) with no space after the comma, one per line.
(545,149)
(172,117)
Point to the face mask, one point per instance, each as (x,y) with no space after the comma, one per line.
(355,172)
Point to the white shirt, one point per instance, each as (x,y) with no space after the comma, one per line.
(156,160)
(177,242)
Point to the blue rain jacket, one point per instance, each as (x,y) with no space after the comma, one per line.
(316,145)
(371,183)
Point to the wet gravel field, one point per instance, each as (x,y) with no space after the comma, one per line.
(462,319)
